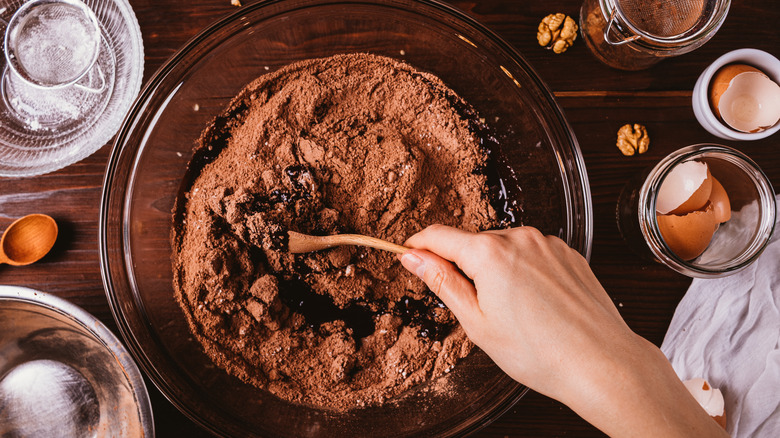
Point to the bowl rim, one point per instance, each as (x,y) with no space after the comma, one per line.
(579,185)
(100,332)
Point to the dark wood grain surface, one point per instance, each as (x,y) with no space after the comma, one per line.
(597,101)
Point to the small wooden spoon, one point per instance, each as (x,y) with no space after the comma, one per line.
(299,243)
(28,239)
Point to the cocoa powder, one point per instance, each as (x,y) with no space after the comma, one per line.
(352,143)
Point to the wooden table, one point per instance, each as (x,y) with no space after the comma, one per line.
(597,101)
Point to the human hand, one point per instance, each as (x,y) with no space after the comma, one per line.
(538,311)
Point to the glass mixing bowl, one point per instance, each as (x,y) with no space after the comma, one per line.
(538,150)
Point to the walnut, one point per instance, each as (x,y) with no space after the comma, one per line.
(557,31)
(632,139)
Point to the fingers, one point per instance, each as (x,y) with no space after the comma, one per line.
(447,242)
(444,279)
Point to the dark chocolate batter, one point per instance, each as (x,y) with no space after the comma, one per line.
(352,143)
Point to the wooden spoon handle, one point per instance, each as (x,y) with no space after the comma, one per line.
(300,243)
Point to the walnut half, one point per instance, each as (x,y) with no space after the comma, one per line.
(557,31)
(632,139)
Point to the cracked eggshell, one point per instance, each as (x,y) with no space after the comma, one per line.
(722,78)
(745,98)
(690,234)
(709,398)
(720,202)
(686,188)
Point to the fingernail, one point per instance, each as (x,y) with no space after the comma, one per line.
(414,263)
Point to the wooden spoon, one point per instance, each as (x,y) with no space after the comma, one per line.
(299,243)
(28,239)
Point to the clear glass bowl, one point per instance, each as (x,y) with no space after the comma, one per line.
(63,373)
(736,244)
(45,129)
(152,150)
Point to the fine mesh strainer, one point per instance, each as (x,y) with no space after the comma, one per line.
(663,24)
(52,43)
(635,34)
(667,18)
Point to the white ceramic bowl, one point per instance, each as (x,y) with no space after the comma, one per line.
(701,102)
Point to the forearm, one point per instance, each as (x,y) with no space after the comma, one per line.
(536,308)
(638,394)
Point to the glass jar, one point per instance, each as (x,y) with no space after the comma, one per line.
(636,34)
(735,244)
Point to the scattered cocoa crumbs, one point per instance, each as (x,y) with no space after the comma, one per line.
(352,143)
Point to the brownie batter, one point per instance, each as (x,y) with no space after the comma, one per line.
(347,144)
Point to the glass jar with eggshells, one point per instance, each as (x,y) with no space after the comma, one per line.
(705,210)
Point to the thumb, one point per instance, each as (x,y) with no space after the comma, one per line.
(445,280)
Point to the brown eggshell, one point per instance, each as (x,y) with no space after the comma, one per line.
(721,419)
(720,202)
(688,235)
(720,82)
(698,199)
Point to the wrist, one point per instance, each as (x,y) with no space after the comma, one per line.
(634,392)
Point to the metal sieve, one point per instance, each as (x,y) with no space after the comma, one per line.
(667,22)
(635,34)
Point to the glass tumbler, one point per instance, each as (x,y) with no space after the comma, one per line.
(735,244)
(636,34)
